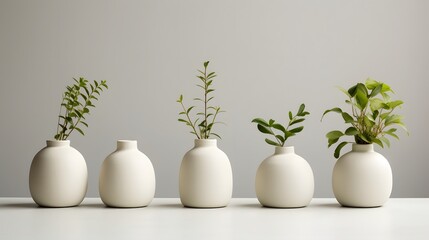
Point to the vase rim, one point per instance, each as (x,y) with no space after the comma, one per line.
(57,143)
(362,147)
(126,141)
(284,149)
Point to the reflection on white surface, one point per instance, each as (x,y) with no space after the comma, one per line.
(244,218)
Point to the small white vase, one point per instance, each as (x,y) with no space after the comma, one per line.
(362,178)
(127,177)
(284,180)
(205,178)
(58,175)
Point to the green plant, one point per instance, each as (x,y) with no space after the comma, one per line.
(371,117)
(77,100)
(202,129)
(285,133)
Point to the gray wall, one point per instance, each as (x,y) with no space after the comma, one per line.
(270,57)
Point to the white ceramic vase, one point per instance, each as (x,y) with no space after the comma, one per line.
(205,178)
(58,175)
(362,178)
(127,177)
(284,180)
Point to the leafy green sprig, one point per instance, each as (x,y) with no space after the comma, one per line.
(76,104)
(202,126)
(371,117)
(269,127)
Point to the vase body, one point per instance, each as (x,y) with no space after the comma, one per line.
(284,180)
(127,177)
(58,175)
(362,178)
(205,177)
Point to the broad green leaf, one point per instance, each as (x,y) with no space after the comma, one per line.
(263,129)
(279,127)
(338,149)
(376,104)
(394,104)
(281,138)
(334,134)
(375,91)
(378,142)
(392,119)
(361,96)
(337,110)
(79,130)
(371,83)
(352,91)
(332,141)
(344,91)
(351,131)
(391,133)
(297,130)
(347,118)
(386,141)
(260,121)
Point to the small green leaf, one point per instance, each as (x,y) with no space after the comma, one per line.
(271,142)
(296,121)
(297,130)
(337,110)
(263,129)
(279,127)
(301,109)
(290,115)
(338,149)
(260,121)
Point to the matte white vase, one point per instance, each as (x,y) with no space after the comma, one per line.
(58,175)
(362,178)
(127,177)
(205,178)
(284,180)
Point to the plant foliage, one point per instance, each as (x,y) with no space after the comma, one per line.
(76,104)
(371,117)
(269,127)
(202,126)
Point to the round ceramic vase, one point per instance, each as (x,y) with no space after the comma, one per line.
(127,177)
(58,175)
(362,178)
(284,180)
(205,178)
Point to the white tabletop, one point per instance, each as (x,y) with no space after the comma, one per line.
(244,218)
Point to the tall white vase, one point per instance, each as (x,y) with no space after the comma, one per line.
(362,178)
(205,178)
(127,177)
(284,180)
(58,175)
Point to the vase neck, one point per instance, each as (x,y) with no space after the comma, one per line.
(362,147)
(284,150)
(205,142)
(58,143)
(126,144)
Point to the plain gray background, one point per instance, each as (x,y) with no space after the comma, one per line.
(270,56)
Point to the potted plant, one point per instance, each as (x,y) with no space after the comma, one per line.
(363,177)
(58,173)
(127,177)
(205,177)
(284,179)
